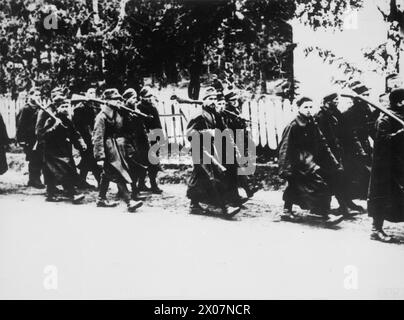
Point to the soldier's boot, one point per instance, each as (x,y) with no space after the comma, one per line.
(34,172)
(380,235)
(289,216)
(142,186)
(78,198)
(152,173)
(229,211)
(354,206)
(72,194)
(343,209)
(36,184)
(104,203)
(35,179)
(135,193)
(51,192)
(133,205)
(332,219)
(153,186)
(195,208)
(377,232)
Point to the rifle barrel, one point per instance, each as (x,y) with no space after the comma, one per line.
(385,111)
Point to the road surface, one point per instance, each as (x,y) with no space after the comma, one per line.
(62,251)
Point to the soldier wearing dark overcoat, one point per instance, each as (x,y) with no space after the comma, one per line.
(304,156)
(56,134)
(386,189)
(147,106)
(26,137)
(109,151)
(208,182)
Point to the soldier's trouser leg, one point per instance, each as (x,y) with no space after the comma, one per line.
(152,173)
(70,189)
(377,224)
(51,189)
(104,185)
(142,178)
(135,190)
(124,192)
(35,166)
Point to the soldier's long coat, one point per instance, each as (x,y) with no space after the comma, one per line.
(136,145)
(58,163)
(386,190)
(207,183)
(83,119)
(303,154)
(3,142)
(26,123)
(109,145)
(358,124)
(150,124)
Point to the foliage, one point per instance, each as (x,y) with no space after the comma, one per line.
(120,42)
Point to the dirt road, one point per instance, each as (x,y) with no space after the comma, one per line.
(61,251)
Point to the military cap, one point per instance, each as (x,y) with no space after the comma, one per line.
(396,96)
(112,94)
(129,93)
(209,92)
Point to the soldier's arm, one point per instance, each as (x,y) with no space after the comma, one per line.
(76,138)
(325,151)
(287,151)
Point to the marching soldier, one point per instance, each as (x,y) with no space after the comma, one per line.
(4,141)
(207,183)
(56,134)
(358,127)
(235,122)
(303,156)
(147,107)
(386,190)
(227,126)
(83,118)
(108,141)
(136,142)
(26,122)
(330,122)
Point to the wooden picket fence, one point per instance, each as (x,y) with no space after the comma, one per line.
(268,116)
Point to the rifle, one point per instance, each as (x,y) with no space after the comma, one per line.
(185,101)
(50,113)
(238,116)
(80,98)
(214,160)
(383,110)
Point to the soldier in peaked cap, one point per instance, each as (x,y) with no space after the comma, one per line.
(148,107)
(56,134)
(359,123)
(136,142)
(26,137)
(207,183)
(108,141)
(83,118)
(234,122)
(386,189)
(330,121)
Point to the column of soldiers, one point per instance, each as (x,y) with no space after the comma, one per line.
(111,136)
(321,155)
(329,154)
